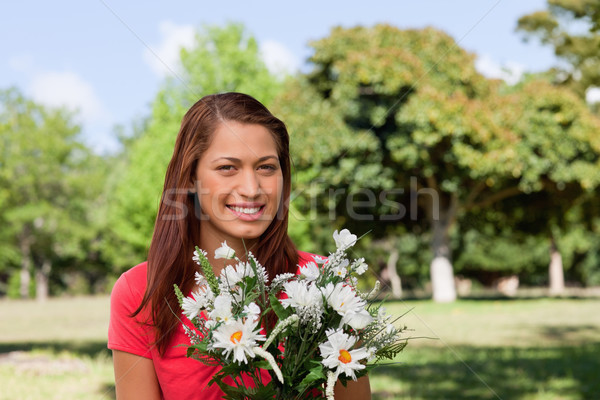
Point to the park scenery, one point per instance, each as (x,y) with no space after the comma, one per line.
(476,199)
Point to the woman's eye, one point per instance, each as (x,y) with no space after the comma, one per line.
(226,168)
(268,167)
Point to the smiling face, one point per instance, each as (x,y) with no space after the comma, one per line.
(239,184)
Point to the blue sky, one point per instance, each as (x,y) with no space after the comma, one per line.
(95,55)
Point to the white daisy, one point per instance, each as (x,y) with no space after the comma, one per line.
(351,307)
(231,275)
(192,305)
(320,260)
(342,298)
(358,320)
(344,239)
(225,252)
(198,301)
(339,355)
(310,271)
(301,294)
(238,338)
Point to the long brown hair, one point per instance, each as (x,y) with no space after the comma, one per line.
(177,227)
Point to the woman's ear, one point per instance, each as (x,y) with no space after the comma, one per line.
(192,185)
(192,189)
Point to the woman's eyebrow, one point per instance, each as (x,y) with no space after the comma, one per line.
(237,160)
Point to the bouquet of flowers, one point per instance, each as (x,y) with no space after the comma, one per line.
(308,330)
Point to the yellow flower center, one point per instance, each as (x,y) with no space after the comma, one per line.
(236,337)
(345,357)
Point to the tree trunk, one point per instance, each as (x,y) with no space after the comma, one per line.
(25,280)
(442,275)
(25,245)
(556,272)
(42,277)
(393,273)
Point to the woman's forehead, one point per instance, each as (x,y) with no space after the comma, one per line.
(237,140)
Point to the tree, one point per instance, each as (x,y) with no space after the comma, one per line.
(572,28)
(559,155)
(407,109)
(46,189)
(222,59)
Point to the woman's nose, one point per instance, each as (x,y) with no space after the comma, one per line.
(249,185)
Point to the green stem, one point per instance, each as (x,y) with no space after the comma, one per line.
(300,361)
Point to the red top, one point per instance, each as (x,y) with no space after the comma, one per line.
(180,378)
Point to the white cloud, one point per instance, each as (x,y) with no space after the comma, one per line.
(278,58)
(164,57)
(592,95)
(511,72)
(67,89)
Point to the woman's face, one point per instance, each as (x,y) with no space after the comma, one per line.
(239,184)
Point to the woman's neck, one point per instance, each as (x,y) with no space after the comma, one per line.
(240,246)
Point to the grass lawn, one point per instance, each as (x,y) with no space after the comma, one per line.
(496,349)
(475,349)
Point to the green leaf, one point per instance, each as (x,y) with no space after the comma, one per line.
(315,374)
(263,364)
(266,392)
(279,310)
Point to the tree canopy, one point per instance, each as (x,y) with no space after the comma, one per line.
(49,183)
(407,111)
(572,28)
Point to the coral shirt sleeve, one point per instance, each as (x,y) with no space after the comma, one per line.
(127,333)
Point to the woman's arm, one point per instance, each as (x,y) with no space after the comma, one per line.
(135,377)
(359,390)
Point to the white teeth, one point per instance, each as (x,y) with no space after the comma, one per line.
(243,210)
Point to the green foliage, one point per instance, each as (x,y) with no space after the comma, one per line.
(179,295)
(385,108)
(224,59)
(315,374)
(13,286)
(281,312)
(580,243)
(50,187)
(572,28)
(502,252)
(207,271)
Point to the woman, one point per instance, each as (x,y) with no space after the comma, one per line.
(228,180)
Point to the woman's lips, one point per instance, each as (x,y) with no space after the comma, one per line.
(247,212)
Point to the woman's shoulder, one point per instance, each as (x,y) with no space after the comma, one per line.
(132,282)
(137,272)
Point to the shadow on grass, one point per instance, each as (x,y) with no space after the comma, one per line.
(407,298)
(566,333)
(491,373)
(88,348)
(92,349)
(108,391)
